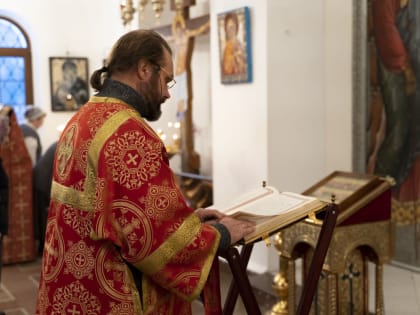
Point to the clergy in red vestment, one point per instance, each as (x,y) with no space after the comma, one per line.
(120,238)
(19,243)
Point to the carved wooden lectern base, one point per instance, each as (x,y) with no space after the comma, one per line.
(343,286)
(364,234)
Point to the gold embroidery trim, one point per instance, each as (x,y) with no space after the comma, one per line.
(106,130)
(175,243)
(70,196)
(206,269)
(85,199)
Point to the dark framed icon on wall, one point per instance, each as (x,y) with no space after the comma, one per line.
(69,83)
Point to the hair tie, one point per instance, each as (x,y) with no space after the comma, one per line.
(104,69)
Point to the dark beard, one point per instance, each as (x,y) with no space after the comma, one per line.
(152,95)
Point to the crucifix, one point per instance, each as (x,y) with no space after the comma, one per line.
(181,33)
(352,274)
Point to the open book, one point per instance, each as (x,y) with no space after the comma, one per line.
(270,209)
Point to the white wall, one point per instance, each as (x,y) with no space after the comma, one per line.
(296,93)
(240,127)
(296,97)
(338,84)
(239,113)
(291,126)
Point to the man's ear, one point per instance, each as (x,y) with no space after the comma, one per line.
(143,69)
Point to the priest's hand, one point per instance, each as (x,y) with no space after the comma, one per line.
(237,228)
(209,215)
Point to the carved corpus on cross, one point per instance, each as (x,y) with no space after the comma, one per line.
(181,35)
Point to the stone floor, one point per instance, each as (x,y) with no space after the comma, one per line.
(19,286)
(261,287)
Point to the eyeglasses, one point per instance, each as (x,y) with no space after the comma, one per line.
(169,84)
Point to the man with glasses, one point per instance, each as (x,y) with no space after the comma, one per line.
(120,238)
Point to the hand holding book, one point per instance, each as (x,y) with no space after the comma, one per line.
(237,228)
(209,215)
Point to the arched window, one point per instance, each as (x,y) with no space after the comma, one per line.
(15,67)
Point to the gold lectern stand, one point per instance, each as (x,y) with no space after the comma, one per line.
(364,233)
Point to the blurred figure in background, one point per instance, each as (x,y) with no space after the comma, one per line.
(42,186)
(19,243)
(35,119)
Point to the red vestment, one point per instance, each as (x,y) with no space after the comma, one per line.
(19,243)
(115,202)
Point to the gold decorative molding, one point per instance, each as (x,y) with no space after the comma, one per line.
(301,232)
(128,9)
(377,236)
(346,262)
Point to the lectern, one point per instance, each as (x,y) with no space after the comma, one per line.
(240,284)
(363,234)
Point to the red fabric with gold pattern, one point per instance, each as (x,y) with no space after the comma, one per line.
(115,201)
(19,244)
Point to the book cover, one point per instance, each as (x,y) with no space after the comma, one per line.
(351,191)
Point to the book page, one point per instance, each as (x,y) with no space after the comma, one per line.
(270,210)
(258,219)
(266,201)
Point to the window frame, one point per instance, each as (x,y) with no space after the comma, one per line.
(26,54)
